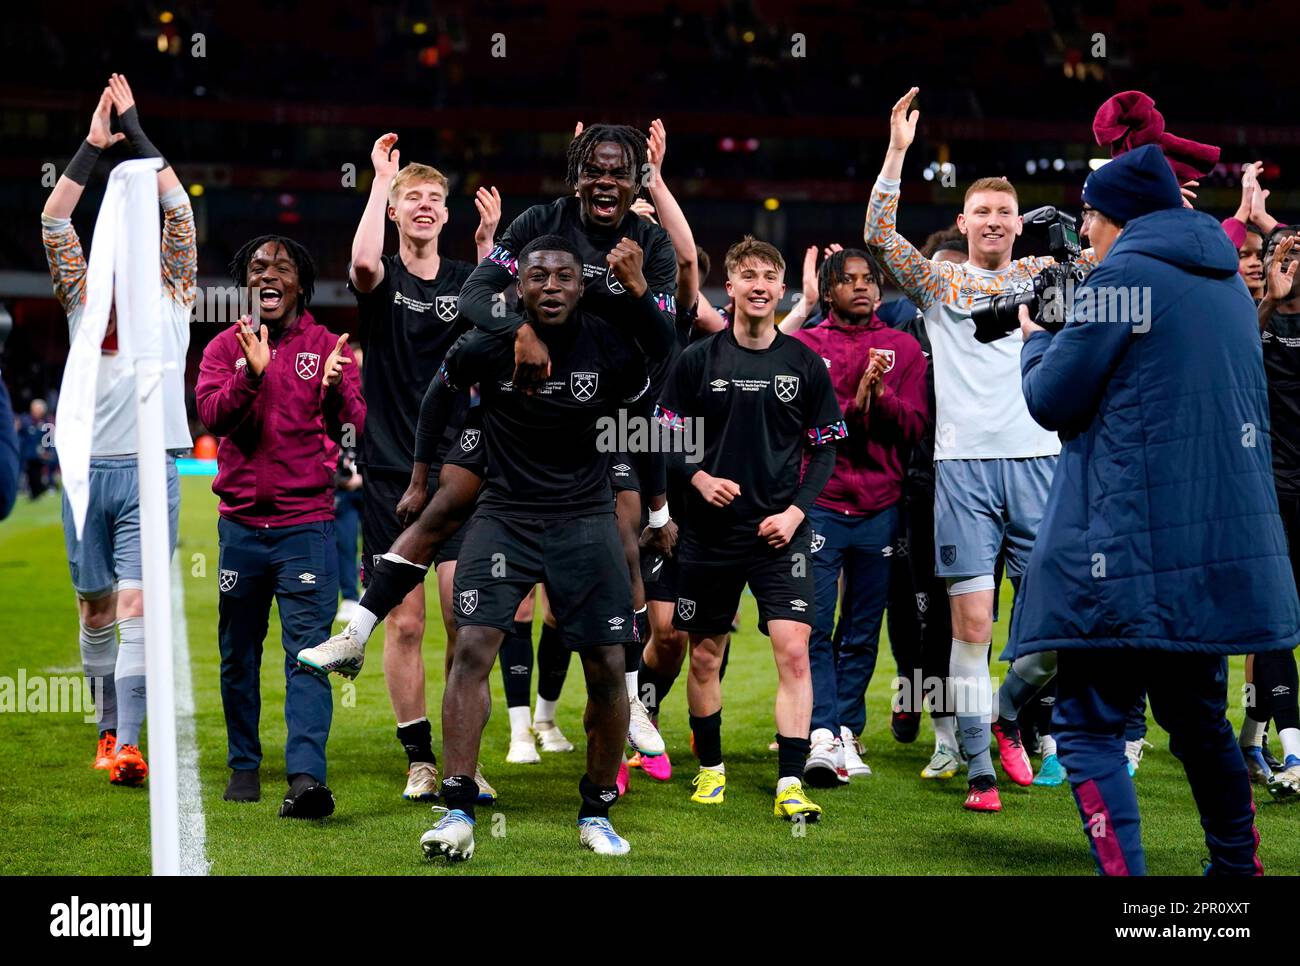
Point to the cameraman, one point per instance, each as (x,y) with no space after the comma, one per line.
(1161,550)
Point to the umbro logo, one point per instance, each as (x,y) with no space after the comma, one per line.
(621,469)
(799,605)
(609,796)
(719,385)
(616,622)
(307,578)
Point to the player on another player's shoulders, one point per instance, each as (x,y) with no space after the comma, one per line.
(760,398)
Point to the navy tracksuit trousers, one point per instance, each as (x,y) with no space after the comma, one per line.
(1097,691)
(297,566)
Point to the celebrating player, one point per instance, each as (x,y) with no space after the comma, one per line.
(993,462)
(545,515)
(274,396)
(105,562)
(759,397)
(408,304)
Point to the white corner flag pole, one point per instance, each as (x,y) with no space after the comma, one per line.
(138,283)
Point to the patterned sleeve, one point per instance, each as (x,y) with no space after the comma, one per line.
(66,261)
(180,259)
(923,281)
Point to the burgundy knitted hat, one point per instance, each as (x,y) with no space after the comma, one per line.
(1130,120)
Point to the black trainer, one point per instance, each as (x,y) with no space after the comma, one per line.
(905,726)
(307,798)
(244,786)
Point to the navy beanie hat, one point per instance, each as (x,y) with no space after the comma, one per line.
(1134,184)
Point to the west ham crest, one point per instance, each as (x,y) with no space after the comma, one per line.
(787,387)
(583,385)
(307,364)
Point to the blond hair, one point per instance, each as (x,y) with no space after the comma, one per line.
(992,184)
(415,173)
(750,247)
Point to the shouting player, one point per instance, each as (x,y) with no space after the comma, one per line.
(759,397)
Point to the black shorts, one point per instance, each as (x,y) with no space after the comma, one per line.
(579,560)
(380,528)
(708,593)
(659,574)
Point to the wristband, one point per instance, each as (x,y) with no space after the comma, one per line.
(82,163)
(659,517)
(130,122)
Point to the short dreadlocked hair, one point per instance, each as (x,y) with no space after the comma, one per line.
(832,273)
(631,140)
(301,258)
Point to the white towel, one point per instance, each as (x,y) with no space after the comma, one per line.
(124,249)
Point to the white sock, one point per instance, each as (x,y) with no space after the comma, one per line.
(519,723)
(545,711)
(1290,742)
(783,783)
(719,767)
(1048,746)
(362,624)
(630,679)
(944,732)
(1252,733)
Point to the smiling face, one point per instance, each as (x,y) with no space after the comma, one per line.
(756,286)
(990,221)
(550,284)
(855,296)
(606,185)
(419,209)
(273,272)
(1250,264)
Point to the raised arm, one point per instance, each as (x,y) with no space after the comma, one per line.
(367,268)
(673,219)
(923,281)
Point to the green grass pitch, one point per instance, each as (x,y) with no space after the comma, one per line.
(58,816)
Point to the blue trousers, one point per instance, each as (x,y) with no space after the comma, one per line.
(296,567)
(347,527)
(857,546)
(1097,690)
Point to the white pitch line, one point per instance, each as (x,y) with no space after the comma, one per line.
(194,859)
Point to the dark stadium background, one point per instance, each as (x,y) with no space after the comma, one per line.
(759,140)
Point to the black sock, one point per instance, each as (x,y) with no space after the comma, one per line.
(708,738)
(596,799)
(417,739)
(791,753)
(552,663)
(726,656)
(632,657)
(652,687)
(390,582)
(460,792)
(1276,688)
(517,665)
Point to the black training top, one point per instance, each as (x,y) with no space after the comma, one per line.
(757,410)
(411,323)
(1282,366)
(649,320)
(548,453)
